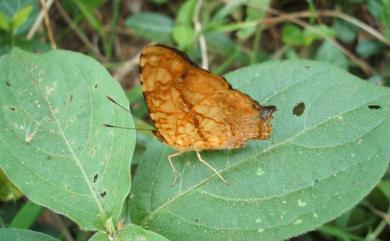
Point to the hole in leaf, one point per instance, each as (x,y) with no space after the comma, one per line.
(11,108)
(95,86)
(70,98)
(93,151)
(49,157)
(196,220)
(307,66)
(374,107)
(7,83)
(299,109)
(103,194)
(95,177)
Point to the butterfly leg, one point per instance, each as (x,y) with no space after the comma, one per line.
(211,167)
(173,167)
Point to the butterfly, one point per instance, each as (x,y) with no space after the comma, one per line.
(194,110)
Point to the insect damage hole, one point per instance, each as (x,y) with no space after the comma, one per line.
(103,194)
(95,177)
(7,83)
(299,109)
(71,98)
(11,108)
(374,107)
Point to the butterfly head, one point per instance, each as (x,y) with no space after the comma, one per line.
(266,112)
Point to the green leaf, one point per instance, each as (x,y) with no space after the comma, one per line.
(374,8)
(345,31)
(158,1)
(184,35)
(151,26)
(376,79)
(4,23)
(87,10)
(229,50)
(315,166)
(130,232)
(292,35)
(387,34)
(329,53)
(291,54)
(342,234)
(384,186)
(380,9)
(385,13)
(309,36)
(186,13)
(254,12)
(21,16)
(8,191)
(313,11)
(53,145)
(26,216)
(23,235)
(367,48)
(18,9)
(225,10)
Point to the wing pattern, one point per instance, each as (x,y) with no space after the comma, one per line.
(194,109)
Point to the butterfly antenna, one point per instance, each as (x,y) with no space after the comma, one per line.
(127,128)
(116,103)
(122,127)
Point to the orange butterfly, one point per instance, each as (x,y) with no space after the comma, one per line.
(196,110)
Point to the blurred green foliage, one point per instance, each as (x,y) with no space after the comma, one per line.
(238,33)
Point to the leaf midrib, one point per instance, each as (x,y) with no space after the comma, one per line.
(69,147)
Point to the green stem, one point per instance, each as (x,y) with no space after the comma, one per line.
(114,21)
(378,230)
(255,46)
(336,232)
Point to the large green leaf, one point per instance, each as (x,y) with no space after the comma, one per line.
(53,144)
(23,235)
(328,149)
(130,232)
(152,26)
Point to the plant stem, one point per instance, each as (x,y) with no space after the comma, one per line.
(114,21)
